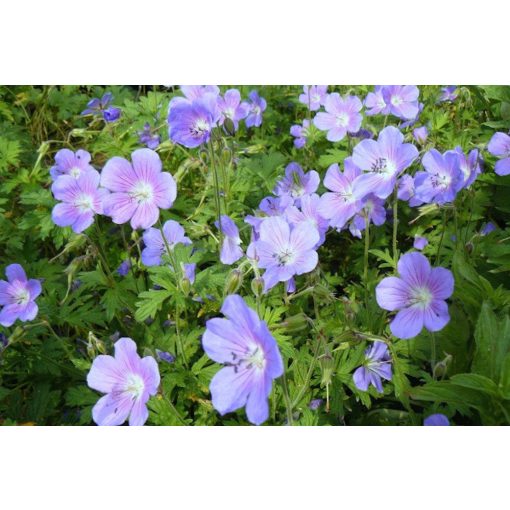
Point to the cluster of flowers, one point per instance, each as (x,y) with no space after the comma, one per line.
(192,118)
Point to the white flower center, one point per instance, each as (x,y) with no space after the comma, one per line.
(200,127)
(441,181)
(135,385)
(396,100)
(229,113)
(342,119)
(142,192)
(384,166)
(22,297)
(256,358)
(84,203)
(285,256)
(421,296)
(75,172)
(316,98)
(256,110)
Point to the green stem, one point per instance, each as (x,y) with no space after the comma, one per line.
(216,190)
(102,258)
(395,225)
(442,236)
(308,376)
(179,338)
(174,409)
(432,353)
(365,258)
(288,403)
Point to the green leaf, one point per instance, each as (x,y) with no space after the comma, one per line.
(151,303)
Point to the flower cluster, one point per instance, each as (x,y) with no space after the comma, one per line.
(102,107)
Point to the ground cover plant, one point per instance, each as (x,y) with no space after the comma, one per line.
(235,255)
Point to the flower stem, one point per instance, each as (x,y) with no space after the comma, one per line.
(174,409)
(365,258)
(216,189)
(288,403)
(442,236)
(102,258)
(395,225)
(433,353)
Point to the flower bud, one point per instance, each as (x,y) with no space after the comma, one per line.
(229,127)
(296,322)
(234,282)
(257,286)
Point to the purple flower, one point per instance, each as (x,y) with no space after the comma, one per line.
(147,138)
(300,133)
(315,404)
(70,163)
(284,251)
(189,271)
(341,116)
(111,114)
(419,293)
(244,344)
(469,165)
(128,382)
(230,107)
(297,183)
(314,96)
(442,179)
(407,192)
(487,228)
(420,134)
(81,200)
(155,245)
(499,146)
(344,201)
(377,366)
(139,189)
(373,209)
(255,109)
(191,123)
(275,206)
(165,356)
(193,92)
(420,242)
(383,161)
(375,104)
(17,296)
(438,420)
(309,214)
(230,249)
(97,105)
(402,100)
(124,267)
(413,121)
(449,94)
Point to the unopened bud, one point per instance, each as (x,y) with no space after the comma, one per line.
(296,322)
(257,286)
(229,127)
(234,282)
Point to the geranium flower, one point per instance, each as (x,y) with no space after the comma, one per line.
(148,138)
(244,344)
(499,146)
(17,296)
(343,201)
(419,294)
(82,199)
(437,420)
(442,179)
(139,189)
(102,106)
(284,251)
(373,209)
(230,107)
(297,183)
(470,165)
(155,245)
(70,163)
(377,366)
(402,100)
(308,212)
(230,248)
(375,104)
(192,92)
(407,192)
(128,381)
(383,161)
(420,134)
(341,116)
(256,107)
(314,96)
(190,123)
(449,94)
(420,242)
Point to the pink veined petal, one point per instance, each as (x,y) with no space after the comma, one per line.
(392,293)
(126,355)
(361,378)
(120,206)
(305,262)
(366,154)
(9,314)
(223,342)
(118,175)
(65,188)
(390,139)
(408,322)
(88,182)
(337,133)
(276,232)
(65,159)
(145,216)
(414,268)
(245,319)
(105,374)
(230,389)
(147,165)
(271,278)
(334,180)
(257,407)
(64,214)
(15,272)
(502,167)
(6,293)
(324,121)
(83,221)
(165,191)
(304,237)
(499,144)
(139,413)
(30,311)
(112,410)
(436,316)
(406,155)
(441,283)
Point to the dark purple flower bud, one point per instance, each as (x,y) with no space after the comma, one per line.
(362,134)
(111,114)
(488,228)
(115,336)
(315,404)
(75,285)
(165,356)
(438,420)
(168,323)
(124,268)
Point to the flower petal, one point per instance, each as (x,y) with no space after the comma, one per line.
(414,268)
(392,293)
(408,322)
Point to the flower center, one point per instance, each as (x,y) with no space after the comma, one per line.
(421,296)
(316,98)
(342,119)
(384,166)
(84,203)
(441,181)
(229,113)
(142,192)
(22,297)
(396,100)
(285,256)
(200,127)
(135,385)
(75,172)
